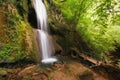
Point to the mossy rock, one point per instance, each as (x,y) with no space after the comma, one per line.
(3,72)
(17,41)
(86,75)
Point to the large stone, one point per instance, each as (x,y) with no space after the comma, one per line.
(17,41)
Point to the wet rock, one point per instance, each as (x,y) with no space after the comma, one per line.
(74,52)
(35,74)
(48,69)
(86,75)
(3,72)
(27,70)
(58,66)
(44,77)
(58,48)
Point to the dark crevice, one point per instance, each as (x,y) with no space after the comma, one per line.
(32,18)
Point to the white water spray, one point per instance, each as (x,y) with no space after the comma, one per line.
(46,45)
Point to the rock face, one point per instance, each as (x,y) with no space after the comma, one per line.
(17,41)
(58,49)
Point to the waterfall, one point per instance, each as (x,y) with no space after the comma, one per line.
(45,43)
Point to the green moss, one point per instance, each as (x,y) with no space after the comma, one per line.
(0,1)
(19,43)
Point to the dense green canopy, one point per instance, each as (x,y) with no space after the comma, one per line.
(97,21)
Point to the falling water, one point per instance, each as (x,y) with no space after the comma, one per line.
(46,45)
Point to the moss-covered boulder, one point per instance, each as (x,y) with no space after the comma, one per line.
(17,41)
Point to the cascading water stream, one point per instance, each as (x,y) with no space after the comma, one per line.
(46,45)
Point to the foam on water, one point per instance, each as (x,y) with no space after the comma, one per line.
(49,60)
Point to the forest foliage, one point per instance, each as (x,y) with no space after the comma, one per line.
(96,21)
(14,30)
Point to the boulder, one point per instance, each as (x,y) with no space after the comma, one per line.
(17,41)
